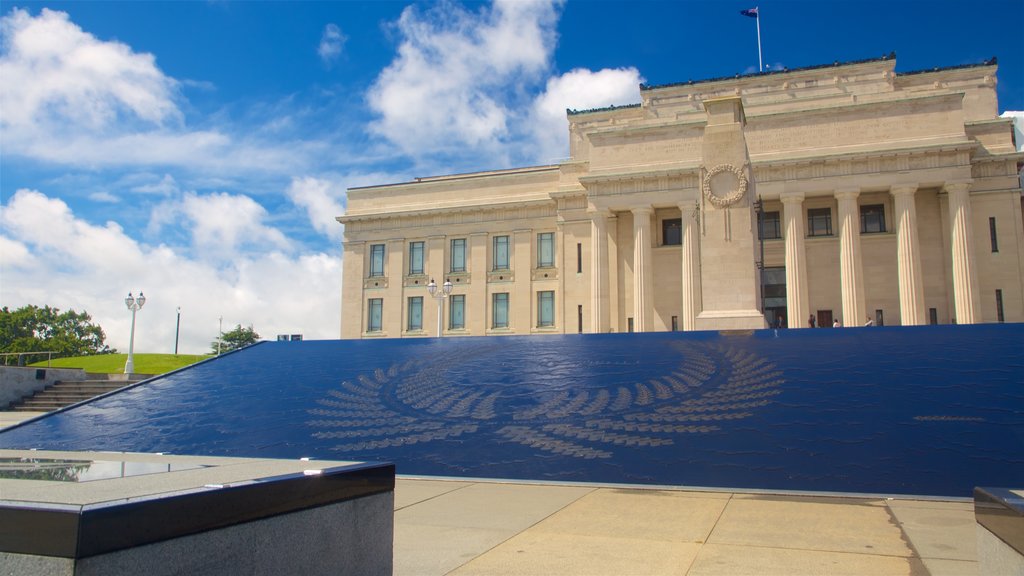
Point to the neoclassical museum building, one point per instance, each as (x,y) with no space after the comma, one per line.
(847,192)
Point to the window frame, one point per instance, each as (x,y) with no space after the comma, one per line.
(377,260)
(452,300)
(417,258)
(762,225)
(545,239)
(542,321)
(378,304)
(501,298)
(819,214)
(497,264)
(414,303)
(675,224)
(461,243)
(876,210)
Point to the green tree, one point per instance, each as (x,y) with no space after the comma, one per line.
(237,337)
(34,329)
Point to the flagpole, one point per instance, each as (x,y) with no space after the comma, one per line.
(760,63)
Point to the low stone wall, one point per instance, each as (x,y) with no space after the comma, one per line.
(17,382)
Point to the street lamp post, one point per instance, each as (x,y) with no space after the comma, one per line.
(446,289)
(133,304)
(177,331)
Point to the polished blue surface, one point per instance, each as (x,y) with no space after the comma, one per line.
(921,410)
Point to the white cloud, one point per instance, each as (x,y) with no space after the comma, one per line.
(581,90)
(166,186)
(221,224)
(453,83)
(323,202)
(92,267)
(54,71)
(331,42)
(104,196)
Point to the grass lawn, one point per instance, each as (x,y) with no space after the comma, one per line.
(114,363)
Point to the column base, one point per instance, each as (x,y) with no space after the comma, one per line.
(730,320)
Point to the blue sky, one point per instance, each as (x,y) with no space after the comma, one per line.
(200,151)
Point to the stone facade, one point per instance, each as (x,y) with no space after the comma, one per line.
(878,195)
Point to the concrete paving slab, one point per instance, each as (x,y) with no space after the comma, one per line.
(431,550)
(732,560)
(947,534)
(492,506)
(640,514)
(410,492)
(11,417)
(795,523)
(967,505)
(534,552)
(938,567)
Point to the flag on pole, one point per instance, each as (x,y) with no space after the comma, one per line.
(752,12)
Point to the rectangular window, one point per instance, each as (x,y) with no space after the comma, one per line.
(545,250)
(819,221)
(770,227)
(501,252)
(415,258)
(579,258)
(456,311)
(579,318)
(999,306)
(675,323)
(992,234)
(672,232)
(545,309)
(377,260)
(879,318)
(872,218)
(415,313)
(500,309)
(374,320)
(933,316)
(458,255)
(629,325)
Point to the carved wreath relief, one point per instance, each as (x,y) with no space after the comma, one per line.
(715,194)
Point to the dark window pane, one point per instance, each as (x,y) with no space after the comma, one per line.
(672,231)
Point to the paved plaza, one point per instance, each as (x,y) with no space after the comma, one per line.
(469,527)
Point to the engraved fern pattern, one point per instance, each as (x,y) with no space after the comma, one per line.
(421,401)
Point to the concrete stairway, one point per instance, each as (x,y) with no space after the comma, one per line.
(63,394)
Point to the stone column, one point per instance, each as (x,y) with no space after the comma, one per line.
(643,275)
(797,302)
(908,256)
(851,269)
(599,271)
(965,274)
(691,264)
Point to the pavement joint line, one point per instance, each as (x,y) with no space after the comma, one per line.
(707,536)
(709,489)
(816,550)
(435,496)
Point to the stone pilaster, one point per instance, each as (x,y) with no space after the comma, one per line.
(965,274)
(691,264)
(643,274)
(599,272)
(908,256)
(797,302)
(851,268)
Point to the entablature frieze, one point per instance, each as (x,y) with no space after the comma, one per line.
(451,216)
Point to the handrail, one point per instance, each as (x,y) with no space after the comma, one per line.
(21,355)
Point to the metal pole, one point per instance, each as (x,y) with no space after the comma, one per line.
(177,331)
(440,307)
(129,366)
(760,64)
(220,332)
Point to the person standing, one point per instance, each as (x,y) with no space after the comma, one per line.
(837,324)
(810,322)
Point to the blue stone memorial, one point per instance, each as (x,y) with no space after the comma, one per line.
(931,410)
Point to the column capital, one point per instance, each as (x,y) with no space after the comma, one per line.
(791,197)
(600,213)
(954,186)
(903,189)
(851,193)
(640,210)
